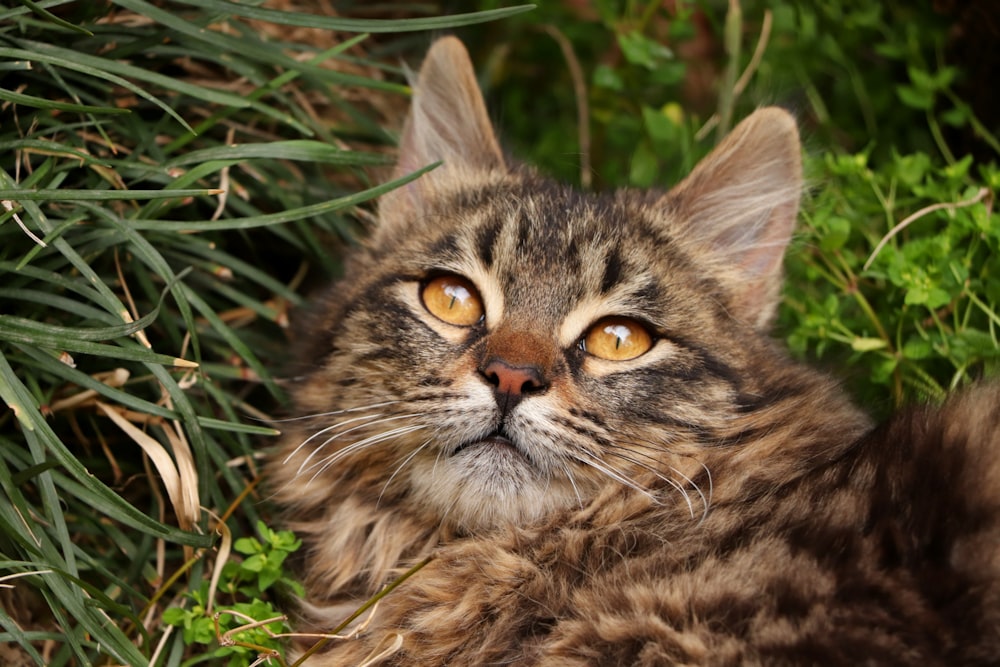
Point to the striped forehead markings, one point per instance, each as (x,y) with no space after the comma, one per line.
(612,270)
(486,239)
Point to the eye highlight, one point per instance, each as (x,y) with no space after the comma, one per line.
(453,299)
(617,339)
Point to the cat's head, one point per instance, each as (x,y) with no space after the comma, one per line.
(506,346)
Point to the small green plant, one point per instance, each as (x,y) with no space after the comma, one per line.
(247,627)
(894,276)
(264,560)
(911,304)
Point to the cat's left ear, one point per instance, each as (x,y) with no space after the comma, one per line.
(448,121)
(738,208)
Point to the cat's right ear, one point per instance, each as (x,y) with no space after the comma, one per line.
(447,122)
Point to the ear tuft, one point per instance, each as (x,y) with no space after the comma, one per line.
(738,209)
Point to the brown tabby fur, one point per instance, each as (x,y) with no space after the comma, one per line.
(710,502)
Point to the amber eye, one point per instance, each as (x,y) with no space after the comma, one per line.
(453,299)
(617,339)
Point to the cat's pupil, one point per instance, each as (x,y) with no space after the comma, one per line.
(620,333)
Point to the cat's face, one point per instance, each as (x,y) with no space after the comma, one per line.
(506,346)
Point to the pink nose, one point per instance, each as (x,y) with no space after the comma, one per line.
(511,383)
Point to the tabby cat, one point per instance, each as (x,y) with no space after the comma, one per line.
(571,403)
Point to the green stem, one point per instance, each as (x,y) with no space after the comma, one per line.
(981,131)
(873,318)
(650,12)
(361,610)
(727,95)
(939,138)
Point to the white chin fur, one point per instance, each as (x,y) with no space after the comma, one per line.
(484,487)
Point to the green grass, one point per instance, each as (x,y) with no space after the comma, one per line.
(175,176)
(172,175)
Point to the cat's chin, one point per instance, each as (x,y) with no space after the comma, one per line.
(488,483)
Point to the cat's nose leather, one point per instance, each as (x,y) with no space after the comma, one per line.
(511,383)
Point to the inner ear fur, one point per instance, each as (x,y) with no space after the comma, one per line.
(447,122)
(737,210)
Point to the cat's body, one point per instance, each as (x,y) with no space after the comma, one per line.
(570,402)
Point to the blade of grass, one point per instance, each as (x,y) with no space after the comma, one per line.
(74,599)
(270,53)
(181,402)
(274,84)
(47,147)
(284,17)
(16,395)
(54,332)
(56,301)
(15,332)
(236,427)
(72,376)
(42,103)
(52,18)
(297,149)
(96,67)
(65,195)
(14,634)
(239,268)
(114,72)
(283,216)
(234,341)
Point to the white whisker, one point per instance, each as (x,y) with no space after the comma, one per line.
(572,480)
(370,441)
(331,413)
(326,430)
(706,499)
(673,483)
(399,468)
(711,489)
(374,420)
(616,475)
(676,485)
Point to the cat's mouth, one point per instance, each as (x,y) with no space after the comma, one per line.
(496,442)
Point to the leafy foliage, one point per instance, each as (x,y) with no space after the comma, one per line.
(250,624)
(918,314)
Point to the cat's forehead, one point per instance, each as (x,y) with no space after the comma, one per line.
(547,248)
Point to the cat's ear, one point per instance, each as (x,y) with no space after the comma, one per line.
(448,122)
(738,209)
